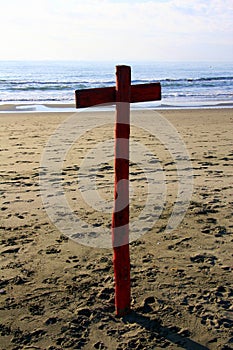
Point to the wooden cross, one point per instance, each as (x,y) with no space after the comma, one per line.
(126,93)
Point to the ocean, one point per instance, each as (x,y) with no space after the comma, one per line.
(34,84)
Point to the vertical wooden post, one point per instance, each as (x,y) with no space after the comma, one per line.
(123,95)
(120,218)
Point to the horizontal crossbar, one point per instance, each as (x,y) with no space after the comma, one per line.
(97,96)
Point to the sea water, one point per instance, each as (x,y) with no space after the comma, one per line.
(184,84)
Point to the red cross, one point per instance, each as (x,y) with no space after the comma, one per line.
(127,93)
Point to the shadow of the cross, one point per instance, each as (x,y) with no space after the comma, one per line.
(154,325)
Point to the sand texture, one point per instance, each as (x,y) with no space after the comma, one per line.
(58,294)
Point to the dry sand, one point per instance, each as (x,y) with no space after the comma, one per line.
(57,294)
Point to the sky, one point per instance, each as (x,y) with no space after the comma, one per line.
(106,30)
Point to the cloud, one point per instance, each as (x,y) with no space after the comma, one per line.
(78,29)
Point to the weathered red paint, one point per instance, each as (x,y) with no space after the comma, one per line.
(120,217)
(139,93)
(124,93)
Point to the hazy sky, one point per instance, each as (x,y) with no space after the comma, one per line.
(170,30)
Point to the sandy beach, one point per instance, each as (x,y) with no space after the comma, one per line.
(59,294)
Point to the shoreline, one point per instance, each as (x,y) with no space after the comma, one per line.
(70,107)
